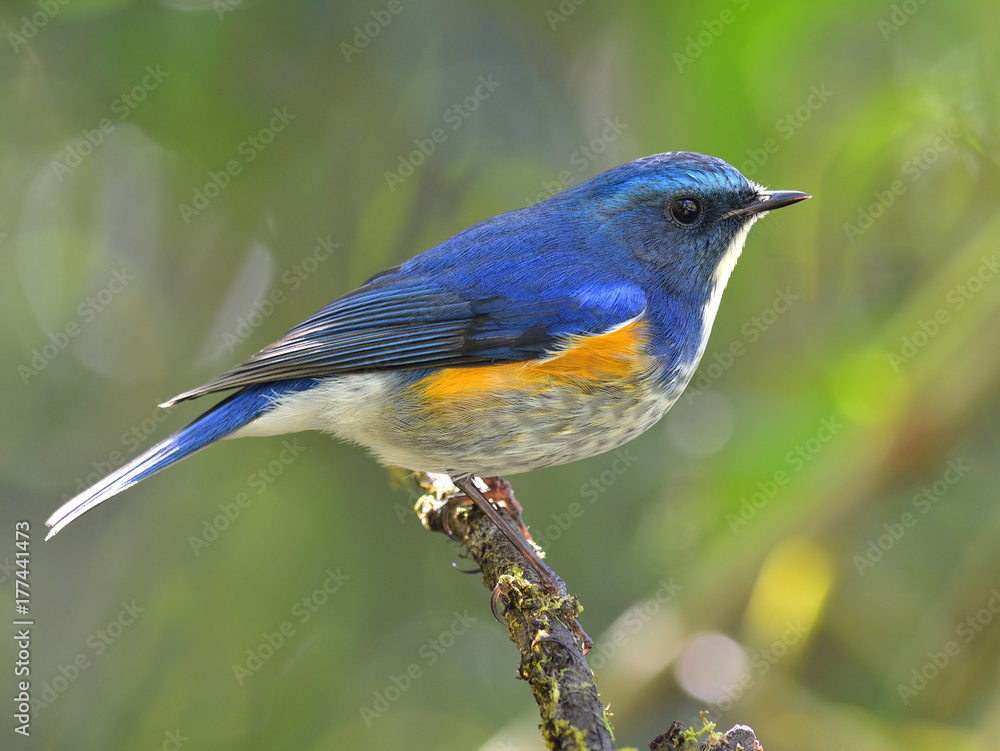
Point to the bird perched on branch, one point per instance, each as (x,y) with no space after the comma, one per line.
(538,337)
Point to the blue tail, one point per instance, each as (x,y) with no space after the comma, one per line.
(220,421)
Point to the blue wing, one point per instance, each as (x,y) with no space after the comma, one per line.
(479,298)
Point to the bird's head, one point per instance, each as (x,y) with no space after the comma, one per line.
(685,214)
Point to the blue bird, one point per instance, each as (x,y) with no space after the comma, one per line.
(538,337)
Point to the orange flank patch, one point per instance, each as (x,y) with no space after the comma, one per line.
(584,361)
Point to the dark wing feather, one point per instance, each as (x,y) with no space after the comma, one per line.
(405,318)
(397,322)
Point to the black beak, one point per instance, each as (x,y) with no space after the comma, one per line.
(769,201)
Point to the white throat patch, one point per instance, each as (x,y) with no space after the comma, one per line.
(721,278)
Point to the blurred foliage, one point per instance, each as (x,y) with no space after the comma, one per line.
(807,544)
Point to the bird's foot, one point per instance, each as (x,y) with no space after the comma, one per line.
(547,576)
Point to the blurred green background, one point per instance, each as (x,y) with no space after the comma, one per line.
(809,543)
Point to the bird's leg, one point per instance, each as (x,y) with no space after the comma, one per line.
(547,575)
(501,493)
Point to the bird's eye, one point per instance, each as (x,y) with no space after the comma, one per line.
(685,210)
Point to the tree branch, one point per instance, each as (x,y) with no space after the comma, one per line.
(542,624)
(545,627)
(739,738)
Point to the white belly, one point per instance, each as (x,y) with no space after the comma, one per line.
(503,437)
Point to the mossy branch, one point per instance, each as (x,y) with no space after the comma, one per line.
(545,627)
(680,738)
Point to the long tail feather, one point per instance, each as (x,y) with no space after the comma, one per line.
(219,422)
